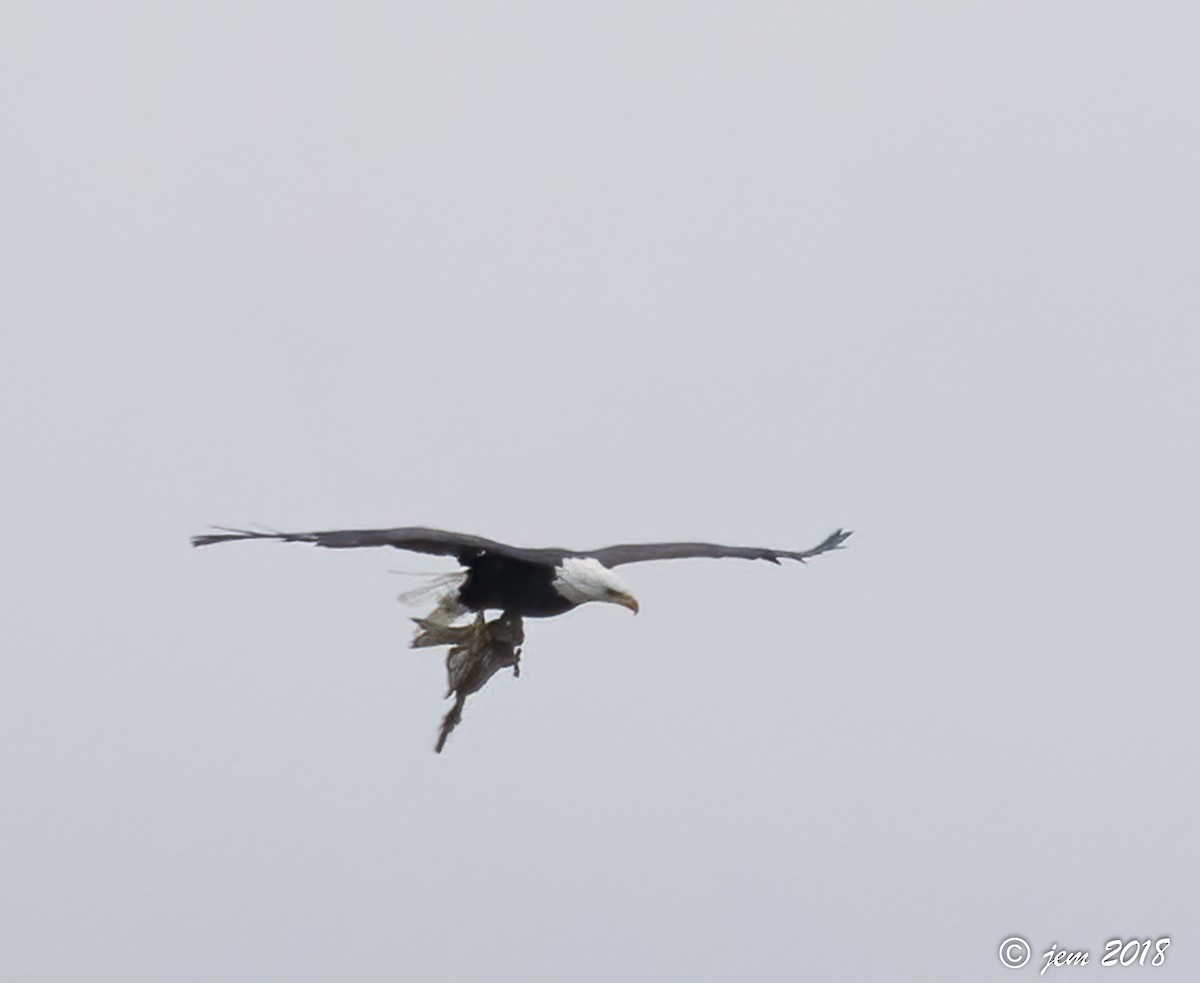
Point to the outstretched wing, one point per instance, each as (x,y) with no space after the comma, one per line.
(464,546)
(614,556)
(416,538)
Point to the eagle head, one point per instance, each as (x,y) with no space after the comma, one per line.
(583,579)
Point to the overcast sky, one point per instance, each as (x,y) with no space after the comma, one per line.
(573,274)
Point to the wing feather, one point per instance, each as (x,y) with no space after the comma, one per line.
(418,539)
(614,556)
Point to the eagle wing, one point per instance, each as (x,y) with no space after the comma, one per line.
(464,546)
(614,556)
(415,538)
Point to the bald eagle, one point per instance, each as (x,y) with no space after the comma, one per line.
(519,582)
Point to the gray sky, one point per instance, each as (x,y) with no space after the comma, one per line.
(575,274)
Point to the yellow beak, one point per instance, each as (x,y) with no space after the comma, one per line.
(627,601)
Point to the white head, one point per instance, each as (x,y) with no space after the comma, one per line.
(581,579)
